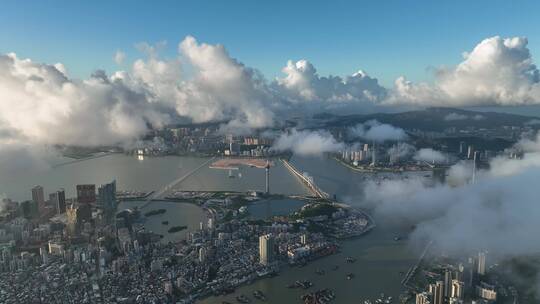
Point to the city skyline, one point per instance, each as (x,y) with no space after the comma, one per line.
(205,152)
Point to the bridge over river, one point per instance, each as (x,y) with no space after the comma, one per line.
(161,192)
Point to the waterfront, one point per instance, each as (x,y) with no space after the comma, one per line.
(273,207)
(176,213)
(151,173)
(380,259)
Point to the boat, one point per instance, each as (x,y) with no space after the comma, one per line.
(350,260)
(165,223)
(242,299)
(320,272)
(259,295)
(350,276)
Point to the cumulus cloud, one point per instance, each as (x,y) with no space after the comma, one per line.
(498,213)
(40,103)
(431,156)
(455,116)
(478,117)
(307,142)
(533,122)
(498,71)
(303,84)
(222,88)
(401,150)
(375,131)
(119,57)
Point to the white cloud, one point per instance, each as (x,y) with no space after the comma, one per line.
(303,84)
(478,117)
(119,57)
(307,142)
(40,104)
(533,122)
(431,156)
(401,150)
(222,88)
(375,131)
(455,116)
(498,213)
(498,71)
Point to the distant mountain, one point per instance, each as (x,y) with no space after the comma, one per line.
(435,119)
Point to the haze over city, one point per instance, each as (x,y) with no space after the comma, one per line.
(280,152)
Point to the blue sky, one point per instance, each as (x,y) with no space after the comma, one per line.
(385,38)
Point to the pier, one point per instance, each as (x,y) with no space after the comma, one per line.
(306,180)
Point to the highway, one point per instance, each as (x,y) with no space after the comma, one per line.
(169,186)
(308,182)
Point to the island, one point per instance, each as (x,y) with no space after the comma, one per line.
(176,229)
(155,212)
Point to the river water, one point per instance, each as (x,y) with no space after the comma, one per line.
(380,259)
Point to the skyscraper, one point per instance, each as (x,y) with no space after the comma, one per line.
(267,171)
(447,282)
(107,195)
(457,289)
(58,200)
(481,263)
(72,223)
(470,152)
(29,209)
(38,196)
(86,194)
(423,298)
(266,249)
(437,290)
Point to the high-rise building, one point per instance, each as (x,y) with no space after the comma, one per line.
(481,263)
(461,147)
(437,290)
(303,239)
(72,224)
(266,249)
(86,194)
(202,254)
(457,289)
(38,196)
(58,200)
(29,209)
(267,174)
(424,298)
(107,195)
(470,152)
(447,282)
(486,291)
